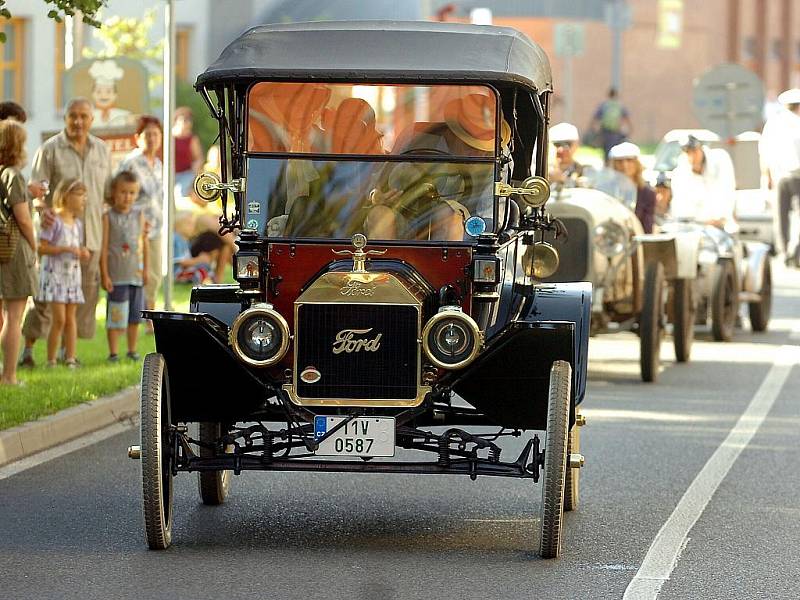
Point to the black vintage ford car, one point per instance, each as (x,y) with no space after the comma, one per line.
(385,182)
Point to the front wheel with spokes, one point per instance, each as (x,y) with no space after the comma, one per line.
(156,452)
(555,459)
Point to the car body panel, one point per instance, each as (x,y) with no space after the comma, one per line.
(616,280)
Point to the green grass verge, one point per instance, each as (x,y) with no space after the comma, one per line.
(48,390)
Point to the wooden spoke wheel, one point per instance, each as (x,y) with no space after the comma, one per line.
(555,460)
(156,449)
(760,311)
(683,318)
(214,486)
(651,322)
(724,302)
(573,476)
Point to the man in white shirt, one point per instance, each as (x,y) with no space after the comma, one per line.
(704,185)
(780,155)
(566,170)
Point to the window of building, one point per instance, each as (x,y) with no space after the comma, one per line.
(749,48)
(183,38)
(776,49)
(12,65)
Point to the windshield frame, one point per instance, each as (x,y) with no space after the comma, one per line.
(494,158)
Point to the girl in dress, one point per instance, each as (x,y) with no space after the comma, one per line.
(61,247)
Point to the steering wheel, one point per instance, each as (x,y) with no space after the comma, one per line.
(426,152)
(439,174)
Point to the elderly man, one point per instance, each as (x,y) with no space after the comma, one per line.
(780,154)
(73,153)
(565,138)
(704,185)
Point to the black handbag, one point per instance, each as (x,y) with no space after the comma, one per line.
(9,232)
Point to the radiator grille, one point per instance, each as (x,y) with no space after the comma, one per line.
(384,370)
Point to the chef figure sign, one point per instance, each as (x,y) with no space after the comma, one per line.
(106,74)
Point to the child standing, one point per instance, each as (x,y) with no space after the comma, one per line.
(61,247)
(123,264)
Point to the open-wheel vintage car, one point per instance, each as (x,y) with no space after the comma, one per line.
(729,272)
(389,314)
(633,289)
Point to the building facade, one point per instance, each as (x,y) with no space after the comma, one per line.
(665,44)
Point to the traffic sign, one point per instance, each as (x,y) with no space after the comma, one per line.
(729,100)
(569,39)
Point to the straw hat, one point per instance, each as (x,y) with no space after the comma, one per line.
(472,120)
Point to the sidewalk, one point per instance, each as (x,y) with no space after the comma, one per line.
(27,439)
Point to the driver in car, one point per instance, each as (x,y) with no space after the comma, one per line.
(704,186)
(566,170)
(414,204)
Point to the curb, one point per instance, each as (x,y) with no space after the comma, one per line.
(27,439)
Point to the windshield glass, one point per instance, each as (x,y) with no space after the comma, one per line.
(325,118)
(666,156)
(389,161)
(420,200)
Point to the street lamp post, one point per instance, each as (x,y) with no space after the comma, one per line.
(168,151)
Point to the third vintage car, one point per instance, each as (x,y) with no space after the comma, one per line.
(388,314)
(639,283)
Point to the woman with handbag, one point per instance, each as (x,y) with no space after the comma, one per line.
(18,274)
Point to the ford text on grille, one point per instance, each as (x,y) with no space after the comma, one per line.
(345,342)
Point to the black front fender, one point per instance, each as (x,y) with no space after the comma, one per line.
(206,380)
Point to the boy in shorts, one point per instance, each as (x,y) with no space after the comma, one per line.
(123,264)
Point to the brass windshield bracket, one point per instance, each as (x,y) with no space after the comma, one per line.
(208,186)
(235,185)
(534,191)
(503,189)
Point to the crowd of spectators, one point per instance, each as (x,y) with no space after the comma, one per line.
(76,226)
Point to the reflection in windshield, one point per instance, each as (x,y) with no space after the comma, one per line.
(328,118)
(383,200)
(666,156)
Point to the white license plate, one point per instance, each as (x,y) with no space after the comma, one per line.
(363,436)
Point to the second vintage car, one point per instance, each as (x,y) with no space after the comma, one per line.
(633,290)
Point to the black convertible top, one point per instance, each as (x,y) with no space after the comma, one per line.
(383,51)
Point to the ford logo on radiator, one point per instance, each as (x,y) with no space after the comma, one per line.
(350,340)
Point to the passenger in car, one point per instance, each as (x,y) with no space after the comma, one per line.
(351,128)
(624,158)
(285,117)
(704,185)
(468,129)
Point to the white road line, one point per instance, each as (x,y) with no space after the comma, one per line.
(62,450)
(667,546)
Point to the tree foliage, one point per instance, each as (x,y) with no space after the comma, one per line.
(64,8)
(131,38)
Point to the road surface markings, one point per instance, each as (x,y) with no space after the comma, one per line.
(667,546)
(63,449)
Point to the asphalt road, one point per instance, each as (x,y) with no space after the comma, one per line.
(72,527)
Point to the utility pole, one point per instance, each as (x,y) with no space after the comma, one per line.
(168,152)
(618,19)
